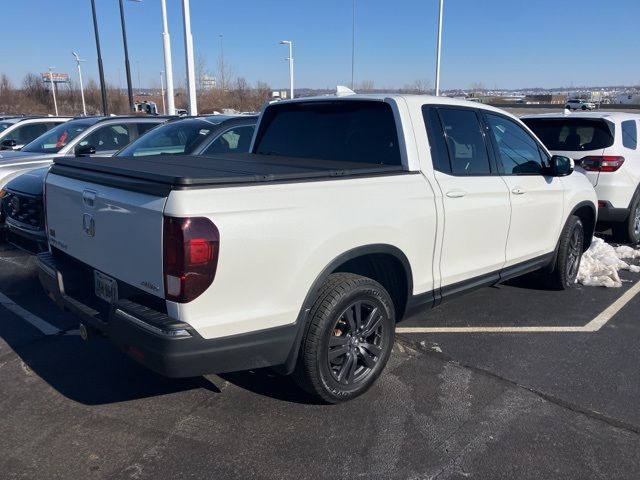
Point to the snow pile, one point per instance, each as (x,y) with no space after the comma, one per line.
(601,263)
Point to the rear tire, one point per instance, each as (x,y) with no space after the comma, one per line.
(348,340)
(570,249)
(629,230)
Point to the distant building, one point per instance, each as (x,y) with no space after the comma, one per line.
(547,99)
(627,98)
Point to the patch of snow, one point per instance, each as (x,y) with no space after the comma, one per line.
(602,262)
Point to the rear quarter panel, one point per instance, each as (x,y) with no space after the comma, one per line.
(276,239)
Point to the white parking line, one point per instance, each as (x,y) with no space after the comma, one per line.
(34,320)
(593,326)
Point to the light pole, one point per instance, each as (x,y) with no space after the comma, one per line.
(439,48)
(164,107)
(188,48)
(53,89)
(78,60)
(290,43)
(126,54)
(168,68)
(353,43)
(222,67)
(103,89)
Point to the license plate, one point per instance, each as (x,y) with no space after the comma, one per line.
(106,287)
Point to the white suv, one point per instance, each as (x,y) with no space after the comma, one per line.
(605,145)
(578,104)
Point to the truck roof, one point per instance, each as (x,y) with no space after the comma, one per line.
(412,100)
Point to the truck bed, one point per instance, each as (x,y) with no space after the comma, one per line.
(162,173)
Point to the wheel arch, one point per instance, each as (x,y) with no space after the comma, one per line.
(397,280)
(587,213)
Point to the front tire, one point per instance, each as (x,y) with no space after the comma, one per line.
(570,249)
(348,340)
(629,230)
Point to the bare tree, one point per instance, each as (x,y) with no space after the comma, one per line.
(201,70)
(225,74)
(477,87)
(365,85)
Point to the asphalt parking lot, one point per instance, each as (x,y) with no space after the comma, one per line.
(512,381)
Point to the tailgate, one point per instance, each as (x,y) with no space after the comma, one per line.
(115,231)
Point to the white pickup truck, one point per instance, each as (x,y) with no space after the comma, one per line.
(349,213)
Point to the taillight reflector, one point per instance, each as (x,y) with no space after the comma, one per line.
(605,163)
(190,254)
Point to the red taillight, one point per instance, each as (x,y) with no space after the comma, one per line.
(190,252)
(605,163)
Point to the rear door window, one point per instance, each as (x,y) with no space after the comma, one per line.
(234,140)
(629,134)
(572,134)
(517,150)
(465,142)
(144,127)
(353,131)
(26,133)
(108,138)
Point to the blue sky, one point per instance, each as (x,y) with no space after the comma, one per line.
(500,43)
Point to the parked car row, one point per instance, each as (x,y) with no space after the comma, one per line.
(23,209)
(214,244)
(16,132)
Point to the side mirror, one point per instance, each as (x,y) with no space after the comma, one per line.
(9,144)
(561,166)
(84,150)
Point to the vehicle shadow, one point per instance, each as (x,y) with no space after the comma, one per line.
(267,383)
(94,372)
(530,281)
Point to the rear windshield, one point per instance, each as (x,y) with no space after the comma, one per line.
(572,134)
(353,131)
(4,125)
(55,139)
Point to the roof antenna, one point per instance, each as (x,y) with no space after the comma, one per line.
(342,91)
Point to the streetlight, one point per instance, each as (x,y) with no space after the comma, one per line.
(164,107)
(290,59)
(188,49)
(439,48)
(103,89)
(126,54)
(78,60)
(168,68)
(353,42)
(222,73)
(53,89)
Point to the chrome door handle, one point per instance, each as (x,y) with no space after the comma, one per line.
(518,191)
(456,194)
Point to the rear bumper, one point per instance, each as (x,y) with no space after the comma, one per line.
(608,214)
(163,344)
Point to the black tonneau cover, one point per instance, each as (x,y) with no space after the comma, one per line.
(159,174)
